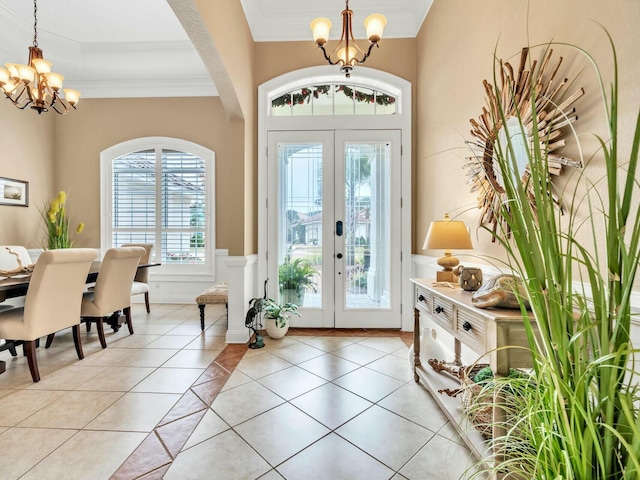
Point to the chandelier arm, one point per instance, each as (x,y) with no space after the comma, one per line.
(57,100)
(353,41)
(19,98)
(366,55)
(326,57)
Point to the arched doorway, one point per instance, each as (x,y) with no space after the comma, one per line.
(335,194)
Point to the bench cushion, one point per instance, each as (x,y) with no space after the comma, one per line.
(218,293)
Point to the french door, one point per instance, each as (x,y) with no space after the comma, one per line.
(334,207)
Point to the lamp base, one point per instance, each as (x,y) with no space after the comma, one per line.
(445,276)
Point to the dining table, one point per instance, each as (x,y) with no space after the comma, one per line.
(17,286)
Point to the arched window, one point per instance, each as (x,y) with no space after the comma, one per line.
(161,191)
(333,99)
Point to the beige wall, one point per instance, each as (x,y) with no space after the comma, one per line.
(101,123)
(446,65)
(231,35)
(455,54)
(26,153)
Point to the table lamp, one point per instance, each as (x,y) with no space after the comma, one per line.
(447,235)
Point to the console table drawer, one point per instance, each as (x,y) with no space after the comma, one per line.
(442,313)
(424,300)
(471,330)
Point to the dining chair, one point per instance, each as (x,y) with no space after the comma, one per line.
(112,292)
(9,261)
(52,302)
(141,280)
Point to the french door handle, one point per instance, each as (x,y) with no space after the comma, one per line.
(339,255)
(339,228)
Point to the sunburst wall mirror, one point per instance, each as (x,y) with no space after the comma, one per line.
(534,87)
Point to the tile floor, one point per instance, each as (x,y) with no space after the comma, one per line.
(171,402)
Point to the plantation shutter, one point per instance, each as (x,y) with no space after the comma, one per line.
(134,198)
(159,197)
(183,207)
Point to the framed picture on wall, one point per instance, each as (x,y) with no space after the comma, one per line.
(14,192)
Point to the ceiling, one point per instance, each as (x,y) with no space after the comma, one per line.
(138,48)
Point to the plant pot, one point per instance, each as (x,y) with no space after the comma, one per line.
(273,330)
(293,296)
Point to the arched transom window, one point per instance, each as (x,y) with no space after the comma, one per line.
(333,99)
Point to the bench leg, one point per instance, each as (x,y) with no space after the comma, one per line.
(201,307)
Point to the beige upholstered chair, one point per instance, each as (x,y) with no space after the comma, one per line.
(8,261)
(141,280)
(112,292)
(52,302)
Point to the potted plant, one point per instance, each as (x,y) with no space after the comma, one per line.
(276,317)
(295,277)
(583,418)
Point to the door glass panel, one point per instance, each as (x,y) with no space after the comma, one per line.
(367,218)
(300,223)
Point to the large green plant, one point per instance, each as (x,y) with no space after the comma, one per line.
(296,274)
(582,419)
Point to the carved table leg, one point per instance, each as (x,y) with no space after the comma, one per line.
(457,350)
(416,343)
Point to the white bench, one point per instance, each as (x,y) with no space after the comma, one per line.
(217,294)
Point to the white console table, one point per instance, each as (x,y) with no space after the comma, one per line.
(484,331)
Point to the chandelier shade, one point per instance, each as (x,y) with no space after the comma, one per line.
(347,51)
(34,84)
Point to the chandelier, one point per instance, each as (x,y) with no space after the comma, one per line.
(346,52)
(35,84)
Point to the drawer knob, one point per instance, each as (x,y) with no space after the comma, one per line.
(439,309)
(466,326)
(421,298)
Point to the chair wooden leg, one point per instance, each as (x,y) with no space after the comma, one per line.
(100,327)
(29,349)
(88,327)
(201,307)
(127,316)
(49,340)
(11,346)
(77,341)
(146,301)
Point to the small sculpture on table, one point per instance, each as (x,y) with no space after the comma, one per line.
(470,278)
(21,269)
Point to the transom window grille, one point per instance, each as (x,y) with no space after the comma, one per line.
(333,99)
(161,196)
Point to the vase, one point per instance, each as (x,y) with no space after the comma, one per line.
(275,331)
(430,347)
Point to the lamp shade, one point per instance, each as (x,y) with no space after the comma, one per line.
(447,234)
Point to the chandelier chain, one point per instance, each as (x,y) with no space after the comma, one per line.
(35,23)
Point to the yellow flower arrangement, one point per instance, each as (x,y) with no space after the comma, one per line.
(57,223)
